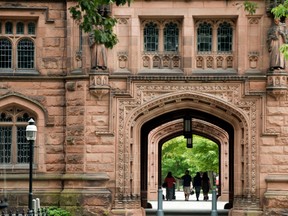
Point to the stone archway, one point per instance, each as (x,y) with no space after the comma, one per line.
(175,128)
(236,117)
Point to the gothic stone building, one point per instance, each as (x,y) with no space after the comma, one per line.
(100,131)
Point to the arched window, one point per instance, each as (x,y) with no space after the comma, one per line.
(171,37)
(20,28)
(204,37)
(14,148)
(31,28)
(5,53)
(224,37)
(9,28)
(17,47)
(151,33)
(25,54)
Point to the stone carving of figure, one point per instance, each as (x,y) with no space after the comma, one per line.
(276,38)
(98,54)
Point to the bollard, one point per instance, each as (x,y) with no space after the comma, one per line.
(37,206)
(214,203)
(160,203)
(34,206)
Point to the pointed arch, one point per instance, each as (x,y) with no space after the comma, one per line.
(135,124)
(27,103)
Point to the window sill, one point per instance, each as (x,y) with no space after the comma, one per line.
(19,72)
(14,168)
(162,71)
(228,71)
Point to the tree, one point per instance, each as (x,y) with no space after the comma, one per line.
(205,154)
(176,157)
(92,18)
(281,11)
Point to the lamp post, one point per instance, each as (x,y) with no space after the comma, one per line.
(31,131)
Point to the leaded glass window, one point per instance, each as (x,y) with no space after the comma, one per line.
(204,37)
(5,144)
(171,37)
(31,28)
(20,28)
(17,46)
(9,28)
(5,53)
(22,145)
(25,54)
(14,147)
(151,34)
(224,37)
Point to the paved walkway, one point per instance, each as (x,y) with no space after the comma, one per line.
(192,204)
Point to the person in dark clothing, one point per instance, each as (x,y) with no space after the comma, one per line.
(205,185)
(197,184)
(187,179)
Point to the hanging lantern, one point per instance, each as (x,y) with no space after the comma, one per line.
(189,142)
(187,127)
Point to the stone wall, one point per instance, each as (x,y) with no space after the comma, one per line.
(89,150)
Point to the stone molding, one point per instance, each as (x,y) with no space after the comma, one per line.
(49,120)
(67,176)
(14,7)
(148,99)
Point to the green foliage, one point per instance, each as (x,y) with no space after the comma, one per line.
(250,7)
(280,10)
(87,14)
(177,158)
(284,50)
(55,211)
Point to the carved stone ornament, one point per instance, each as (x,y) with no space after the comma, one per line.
(99,85)
(148,99)
(99,92)
(277,83)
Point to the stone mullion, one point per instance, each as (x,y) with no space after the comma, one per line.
(214,46)
(161,40)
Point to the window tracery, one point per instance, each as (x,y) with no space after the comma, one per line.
(14,148)
(17,46)
(215,40)
(161,44)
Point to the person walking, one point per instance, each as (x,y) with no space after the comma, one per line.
(197,184)
(170,181)
(187,179)
(205,185)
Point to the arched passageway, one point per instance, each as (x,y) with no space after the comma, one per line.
(171,116)
(160,155)
(137,121)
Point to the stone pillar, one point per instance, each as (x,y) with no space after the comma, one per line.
(188,47)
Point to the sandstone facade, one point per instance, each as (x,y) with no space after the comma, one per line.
(99,131)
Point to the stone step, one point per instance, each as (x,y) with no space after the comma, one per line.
(150,212)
